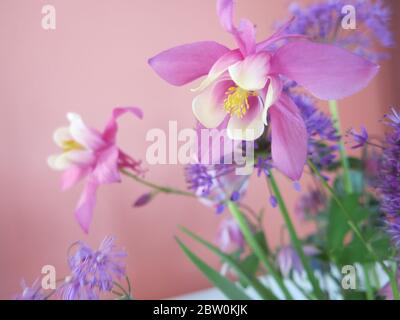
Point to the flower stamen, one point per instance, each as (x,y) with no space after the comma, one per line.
(236,103)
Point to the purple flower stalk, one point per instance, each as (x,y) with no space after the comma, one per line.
(389,178)
(322,22)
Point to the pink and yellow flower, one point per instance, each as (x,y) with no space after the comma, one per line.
(245,84)
(89,153)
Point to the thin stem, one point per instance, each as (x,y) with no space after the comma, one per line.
(257,248)
(127,295)
(333,107)
(370,292)
(157,187)
(294,238)
(357,232)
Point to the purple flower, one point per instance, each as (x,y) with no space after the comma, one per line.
(75,288)
(143,199)
(322,22)
(273,201)
(311,203)
(359,138)
(229,237)
(33,292)
(93,271)
(288,259)
(389,179)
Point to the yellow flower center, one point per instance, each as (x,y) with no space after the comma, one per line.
(236,103)
(70,145)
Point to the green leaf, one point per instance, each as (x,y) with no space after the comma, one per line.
(227,287)
(356,252)
(245,273)
(338,226)
(257,247)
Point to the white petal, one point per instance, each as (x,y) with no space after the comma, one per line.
(59,162)
(274,91)
(82,134)
(251,74)
(61,135)
(248,128)
(208,106)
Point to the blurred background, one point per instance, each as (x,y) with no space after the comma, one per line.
(97,59)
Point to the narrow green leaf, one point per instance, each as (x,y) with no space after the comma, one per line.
(257,247)
(227,287)
(242,272)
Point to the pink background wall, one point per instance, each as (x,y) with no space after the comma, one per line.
(93,61)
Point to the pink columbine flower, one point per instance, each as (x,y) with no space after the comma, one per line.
(245,84)
(89,153)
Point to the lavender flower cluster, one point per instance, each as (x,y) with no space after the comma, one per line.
(322,22)
(389,178)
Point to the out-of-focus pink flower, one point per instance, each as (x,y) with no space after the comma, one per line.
(245,85)
(386,291)
(89,153)
(229,236)
(288,259)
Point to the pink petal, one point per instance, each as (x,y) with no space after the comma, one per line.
(252,73)
(208,106)
(244,35)
(72,176)
(251,126)
(183,64)
(106,170)
(225,14)
(87,201)
(278,35)
(219,67)
(289,138)
(111,128)
(81,133)
(328,72)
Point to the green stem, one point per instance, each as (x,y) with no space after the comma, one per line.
(157,187)
(294,238)
(370,292)
(357,232)
(333,107)
(257,248)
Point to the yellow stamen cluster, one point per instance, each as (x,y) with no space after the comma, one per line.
(70,145)
(236,103)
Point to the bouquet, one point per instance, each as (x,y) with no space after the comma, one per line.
(256,113)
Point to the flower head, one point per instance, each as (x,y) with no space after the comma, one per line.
(322,22)
(389,178)
(359,138)
(93,271)
(311,203)
(229,237)
(244,86)
(288,259)
(86,152)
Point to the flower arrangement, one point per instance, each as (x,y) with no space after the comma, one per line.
(263,93)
